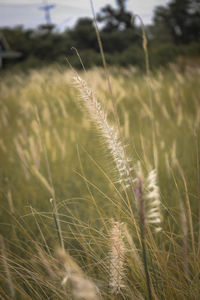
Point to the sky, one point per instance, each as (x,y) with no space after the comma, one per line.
(66,12)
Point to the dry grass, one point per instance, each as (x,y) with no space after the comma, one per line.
(50,149)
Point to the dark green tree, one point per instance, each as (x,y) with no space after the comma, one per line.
(83,35)
(115,18)
(181,18)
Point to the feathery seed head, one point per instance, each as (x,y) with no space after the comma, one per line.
(148,198)
(82,287)
(153,215)
(117,256)
(109,132)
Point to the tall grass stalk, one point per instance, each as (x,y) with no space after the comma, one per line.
(148,80)
(121,138)
(141,211)
(185,239)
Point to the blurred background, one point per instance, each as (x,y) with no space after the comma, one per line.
(37,33)
(50,149)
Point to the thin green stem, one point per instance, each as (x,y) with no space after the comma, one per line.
(144,255)
(57,223)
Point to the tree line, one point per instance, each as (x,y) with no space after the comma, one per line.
(174,32)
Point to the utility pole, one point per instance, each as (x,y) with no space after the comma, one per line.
(47,7)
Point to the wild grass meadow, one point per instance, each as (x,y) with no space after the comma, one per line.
(100,185)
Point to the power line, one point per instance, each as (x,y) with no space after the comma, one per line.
(47,7)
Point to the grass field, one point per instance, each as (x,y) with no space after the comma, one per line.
(95,206)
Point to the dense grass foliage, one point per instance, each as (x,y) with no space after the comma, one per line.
(50,149)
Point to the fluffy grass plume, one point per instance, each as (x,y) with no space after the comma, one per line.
(82,287)
(117,257)
(109,132)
